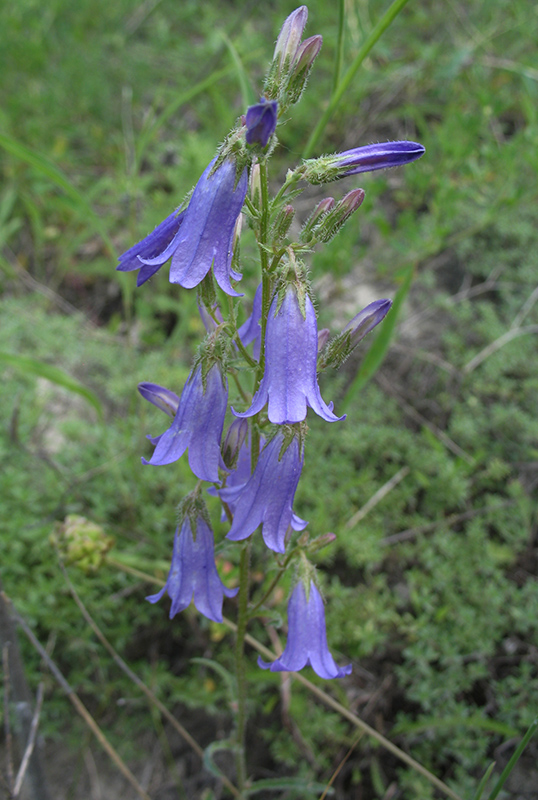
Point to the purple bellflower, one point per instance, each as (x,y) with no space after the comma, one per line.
(261,122)
(154,244)
(307,637)
(203,237)
(193,572)
(197,424)
(291,351)
(267,497)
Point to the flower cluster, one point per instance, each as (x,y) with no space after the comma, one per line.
(274,356)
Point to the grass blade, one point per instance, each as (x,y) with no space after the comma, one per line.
(485,778)
(515,758)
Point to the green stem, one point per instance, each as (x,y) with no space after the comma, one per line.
(388,17)
(339,45)
(240,669)
(273,584)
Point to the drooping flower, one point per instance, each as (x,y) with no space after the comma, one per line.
(197,425)
(267,497)
(291,350)
(307,637)
(261,122)
(154,244)
(204,236)
(193,573)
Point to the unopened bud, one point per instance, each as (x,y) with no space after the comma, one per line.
(331,224)
(318,214)
(323,338)
(261,122)
(234,441)
(255,185)
(304,60)
(163,398)
(283,221)
(366,320)
(289,38)
(361,159)
(321,541)
(342,345)
(211,320)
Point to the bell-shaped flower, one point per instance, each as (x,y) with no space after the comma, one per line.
(150,247)
(261,122)
(291,351)
(197,425)
(204,236)
(307,637)
(267,497)
(193,573)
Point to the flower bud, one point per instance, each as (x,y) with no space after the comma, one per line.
(261,122)
(366,320)
(290,37)
(234,441)
(342,345)
(320,211)
(304,60)
(323,338)
(283,221)
(255,185)
(330,225)
(163,398)
(321,541)
(361,159)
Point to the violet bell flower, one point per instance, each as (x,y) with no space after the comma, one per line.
(261,122)
(154,244)
(197,424)
(203,237)
(193,573)
(307,637)
(291,351)
(267,497)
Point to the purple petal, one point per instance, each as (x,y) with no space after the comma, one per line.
(379,156)
(150,248)
(206,236)
(163,398)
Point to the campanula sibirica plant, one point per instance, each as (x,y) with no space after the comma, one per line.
(242,414)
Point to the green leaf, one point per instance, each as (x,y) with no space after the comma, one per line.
(482,785)
(33,367)
(515,758)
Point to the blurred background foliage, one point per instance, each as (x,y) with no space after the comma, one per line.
(109,112)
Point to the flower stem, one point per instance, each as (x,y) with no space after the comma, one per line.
(240,670)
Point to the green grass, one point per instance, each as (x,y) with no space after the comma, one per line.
(109,112)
